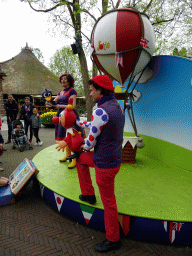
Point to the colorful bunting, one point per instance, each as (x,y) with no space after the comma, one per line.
(87,212)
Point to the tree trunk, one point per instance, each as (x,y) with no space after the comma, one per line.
(85,76)
(95,70)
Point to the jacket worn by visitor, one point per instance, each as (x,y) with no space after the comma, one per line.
(26,112)
(11,110)
(36,121)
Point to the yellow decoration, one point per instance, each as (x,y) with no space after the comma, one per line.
(73,134)
(118,89)
(70,106)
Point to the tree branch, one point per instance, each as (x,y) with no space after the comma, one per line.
(69,24)
(72,15)
(162,21)
(117,4)
(112,4)
(48,10)
(104,6)
(93,17)
(147,7)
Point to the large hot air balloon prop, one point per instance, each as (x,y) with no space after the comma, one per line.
(122,43)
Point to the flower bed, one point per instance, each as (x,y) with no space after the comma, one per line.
(46,118)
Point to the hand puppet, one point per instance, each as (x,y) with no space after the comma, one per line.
(74,139)
(47,98)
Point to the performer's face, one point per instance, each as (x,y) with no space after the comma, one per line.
(95,94)
(64,82)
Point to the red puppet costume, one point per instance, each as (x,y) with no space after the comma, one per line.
(73,140)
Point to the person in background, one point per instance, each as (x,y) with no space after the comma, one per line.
(1,148)
(21,138)
(11,108)
(26,113)
(36,125)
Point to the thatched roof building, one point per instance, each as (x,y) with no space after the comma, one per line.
(26,75)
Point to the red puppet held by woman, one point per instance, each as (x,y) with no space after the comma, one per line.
(74,140)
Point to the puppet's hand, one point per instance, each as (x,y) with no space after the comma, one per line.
(83,148)
(61,145)
(48,104)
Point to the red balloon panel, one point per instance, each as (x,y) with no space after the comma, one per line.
(128,36)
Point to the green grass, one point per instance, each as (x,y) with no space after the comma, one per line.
(165,152)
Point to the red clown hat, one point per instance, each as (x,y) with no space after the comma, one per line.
(70,118)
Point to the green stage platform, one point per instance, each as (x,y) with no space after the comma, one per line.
(149,188)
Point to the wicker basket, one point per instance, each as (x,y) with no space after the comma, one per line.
(129,153)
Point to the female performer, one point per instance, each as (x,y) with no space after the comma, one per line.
(61,100)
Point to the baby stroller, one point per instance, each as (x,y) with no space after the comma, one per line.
(19,137)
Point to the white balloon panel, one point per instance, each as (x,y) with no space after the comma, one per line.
(108,62)
(150,36)
(143,61)
(105,32)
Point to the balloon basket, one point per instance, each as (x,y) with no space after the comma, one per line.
(129,153)
(120,96)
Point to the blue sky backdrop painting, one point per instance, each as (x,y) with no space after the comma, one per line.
(164,110)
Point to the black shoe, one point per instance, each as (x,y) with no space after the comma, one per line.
(1,169)
(106,246)
(89,199)
(4,149)
(30,147)
(7,142)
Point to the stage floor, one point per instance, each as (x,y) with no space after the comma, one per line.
(149,188)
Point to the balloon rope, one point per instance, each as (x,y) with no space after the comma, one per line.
(133,120)
(138,79)
(136,48)
(131,117)
(130,95)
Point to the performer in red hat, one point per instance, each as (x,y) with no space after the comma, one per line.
(106,136)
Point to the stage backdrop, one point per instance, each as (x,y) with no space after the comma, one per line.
(164,108)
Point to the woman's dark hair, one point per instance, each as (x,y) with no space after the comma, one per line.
(69,77)
(97,87)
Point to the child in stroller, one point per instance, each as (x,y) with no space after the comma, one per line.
(18,136)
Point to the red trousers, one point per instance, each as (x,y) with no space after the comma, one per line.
(105,180)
